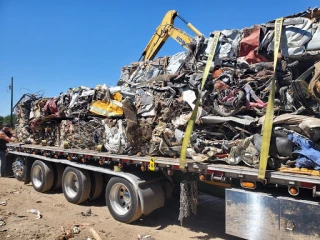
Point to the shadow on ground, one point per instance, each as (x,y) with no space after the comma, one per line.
(210,218)
(209,221)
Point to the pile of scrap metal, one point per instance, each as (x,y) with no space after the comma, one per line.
(147,112)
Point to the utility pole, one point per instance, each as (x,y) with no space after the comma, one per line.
(11,112)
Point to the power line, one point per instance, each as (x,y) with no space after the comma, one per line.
(11,109)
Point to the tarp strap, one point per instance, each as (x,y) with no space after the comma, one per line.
(268,121)
(193,117)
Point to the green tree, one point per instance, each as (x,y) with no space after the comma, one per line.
(6,119)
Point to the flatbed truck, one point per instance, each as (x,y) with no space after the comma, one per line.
(135,186)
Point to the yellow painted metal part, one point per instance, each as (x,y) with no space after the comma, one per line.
(65,145)
(99,148)
(193,117)
(268,121)
(107,109)
(112,108)
(180,36)
(117,169)
(152,165)
(163,32)
(193,28)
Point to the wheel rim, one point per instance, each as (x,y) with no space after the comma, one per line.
(37,176)
(71,184)
(120,199)
(17,167)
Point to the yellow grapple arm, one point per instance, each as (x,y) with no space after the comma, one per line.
(162,33)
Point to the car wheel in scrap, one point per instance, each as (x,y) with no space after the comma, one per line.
(76,185)
(122,200)
(42,176)
(96,186)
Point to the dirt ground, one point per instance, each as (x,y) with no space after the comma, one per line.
(60,216)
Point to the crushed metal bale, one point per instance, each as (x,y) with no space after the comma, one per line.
(147,112)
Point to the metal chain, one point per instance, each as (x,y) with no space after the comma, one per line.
(188,199)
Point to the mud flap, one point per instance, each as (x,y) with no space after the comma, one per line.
(151,196)
(27,173)
(9,161)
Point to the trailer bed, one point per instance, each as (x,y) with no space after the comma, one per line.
(215,172)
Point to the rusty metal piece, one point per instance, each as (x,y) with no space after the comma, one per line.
(220,85)
(217,73)
(304,171)
(314,85)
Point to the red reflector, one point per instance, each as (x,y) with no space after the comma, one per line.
(210,171)
(175,166)
(306,185)
(125,160)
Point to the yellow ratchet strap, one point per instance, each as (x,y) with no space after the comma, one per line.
(268,121)
(187,135)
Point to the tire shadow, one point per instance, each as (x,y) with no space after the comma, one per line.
(210,218)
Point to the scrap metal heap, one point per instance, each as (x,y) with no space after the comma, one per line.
(147,112)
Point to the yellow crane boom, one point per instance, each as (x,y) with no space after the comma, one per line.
(162,33)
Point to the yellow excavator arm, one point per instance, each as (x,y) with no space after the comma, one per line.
(162,33)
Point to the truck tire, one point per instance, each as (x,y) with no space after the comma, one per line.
(19,168)
(76,185)
(96,186)
(58,172)
(42,176)
(122,200)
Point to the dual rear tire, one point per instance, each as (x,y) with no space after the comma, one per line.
(42,176)
(78,186)
(122,200)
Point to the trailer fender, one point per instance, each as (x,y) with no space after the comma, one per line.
(151,197)
(151,194)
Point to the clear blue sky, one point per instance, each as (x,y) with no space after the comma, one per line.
(54,45)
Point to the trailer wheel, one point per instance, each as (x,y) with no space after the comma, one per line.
(42,176)
(96,186)
(76,185)
(122,200)
(19,168)
(58,172)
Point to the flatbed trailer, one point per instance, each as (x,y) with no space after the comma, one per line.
(136,186)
